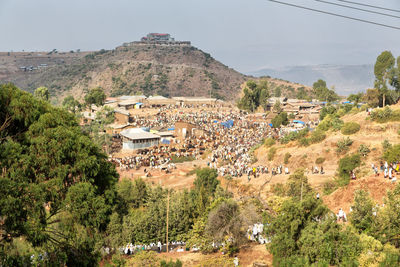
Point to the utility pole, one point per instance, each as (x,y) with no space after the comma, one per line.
(167,219)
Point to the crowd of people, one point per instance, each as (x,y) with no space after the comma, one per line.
(389,170)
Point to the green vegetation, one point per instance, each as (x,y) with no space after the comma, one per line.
(286,158)
(319,160)
(269,142)
(295,135)
(322,92)
(363,150)
(95,96)
(385,115)
(271,153)
(42,93)
(348,164)
(392,153)
(175,159)
(350,128)
(280,119)
(255,95)
(343,145)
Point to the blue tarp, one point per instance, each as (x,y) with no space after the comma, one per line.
(139,103)
(270,124)
(215,121)
(146,129)
(228,124)
(347,102)
(171,129)
(297,121)
(165,142)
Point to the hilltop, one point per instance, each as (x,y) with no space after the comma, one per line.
(169,70)
(151,69)
(347,79)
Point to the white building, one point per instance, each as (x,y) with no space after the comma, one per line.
(136,138)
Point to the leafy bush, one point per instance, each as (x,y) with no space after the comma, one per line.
(329,187)
(269,142)
(392,154)
(286,158)
(317,136)
(319,160)
(280,119)
(348,164)
(385,115)
(344,145)
(304,142)
(386,145)
(295,135)
(330,122)
(350,128)
(271,153)
(364,150)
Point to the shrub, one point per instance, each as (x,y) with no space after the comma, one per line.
(350,128)
(295,135)
(329,187)
(317,136)
(269,142)
(304,142)
(319,161)
(385,115)
(386,145)
(347,164)
(286,158)
(280,119)
(331,122)
(392,154)
(344,145)
(271,153)
(363,150)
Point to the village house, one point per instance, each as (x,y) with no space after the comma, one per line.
(184,130)
(136,138)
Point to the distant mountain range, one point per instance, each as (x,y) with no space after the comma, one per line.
(347,79)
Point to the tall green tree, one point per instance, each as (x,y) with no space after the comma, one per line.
(42,93)
(382,70)
(95,96)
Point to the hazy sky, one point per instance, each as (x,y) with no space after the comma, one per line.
(243,34)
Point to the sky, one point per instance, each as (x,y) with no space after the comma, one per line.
(246,35)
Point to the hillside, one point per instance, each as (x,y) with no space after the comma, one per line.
(371,134)
(347,79)
(151,69)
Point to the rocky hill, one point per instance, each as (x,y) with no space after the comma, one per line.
(168,70)
(150,69)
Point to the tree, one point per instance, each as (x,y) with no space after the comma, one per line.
(70,104)
(42,93)
(322,92)
(298,186)
(372,97)
(362,217)
(382,70)
(95,96)
(280,119)
(355,98)
(50,165)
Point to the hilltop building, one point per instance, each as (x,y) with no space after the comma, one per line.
(157,39)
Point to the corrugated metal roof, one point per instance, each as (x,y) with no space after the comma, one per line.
(138,134)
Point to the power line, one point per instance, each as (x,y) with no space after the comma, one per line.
(378,7)
(361,9)
(337,15)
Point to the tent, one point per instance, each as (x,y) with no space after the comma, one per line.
(297,121)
